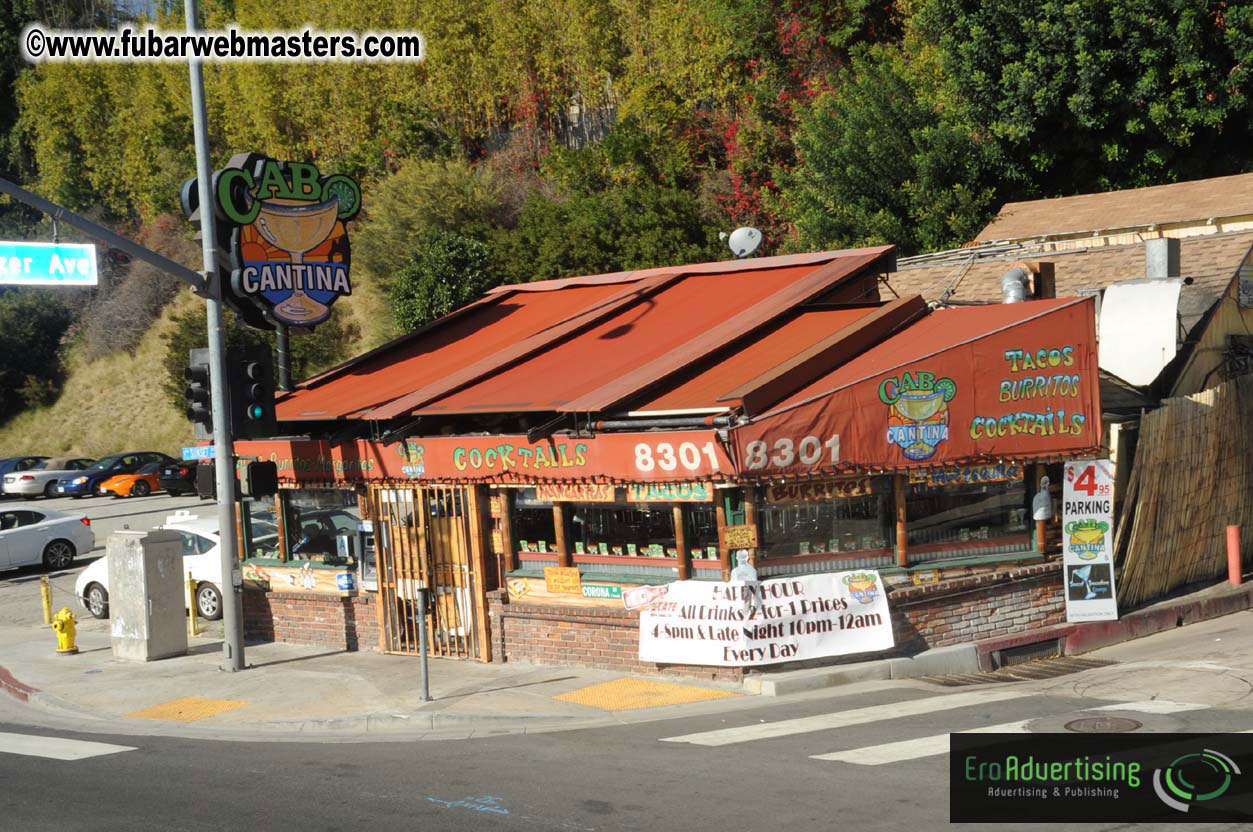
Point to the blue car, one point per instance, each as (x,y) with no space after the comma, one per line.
(87,482)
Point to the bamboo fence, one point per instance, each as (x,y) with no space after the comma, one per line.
(1193,477)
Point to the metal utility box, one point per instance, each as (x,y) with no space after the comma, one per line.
(148,616)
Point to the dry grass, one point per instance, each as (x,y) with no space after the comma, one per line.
(116,403)
(111,404)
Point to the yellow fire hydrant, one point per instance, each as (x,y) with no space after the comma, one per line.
(66,629)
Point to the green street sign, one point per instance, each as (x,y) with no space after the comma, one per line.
(601,591)
(47,264)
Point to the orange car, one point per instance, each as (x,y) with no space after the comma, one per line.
(139,484)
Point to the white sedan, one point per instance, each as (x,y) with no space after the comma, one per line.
(200,557)
(43,478)
(52,538)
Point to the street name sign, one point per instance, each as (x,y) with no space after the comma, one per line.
(47,264)
(198,452)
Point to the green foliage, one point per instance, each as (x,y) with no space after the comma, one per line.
(1084,95)
(32,324)
(450,271)
(310,354)
(879,164)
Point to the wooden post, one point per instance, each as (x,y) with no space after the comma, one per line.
(559,527)
(478,518)
(680,543)
(724,554)
(280,520)
(1040,530)
(902,531)
(506,529)
(750,516)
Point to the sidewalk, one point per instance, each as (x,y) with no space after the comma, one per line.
(302,693)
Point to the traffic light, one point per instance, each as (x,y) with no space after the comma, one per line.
(198,395)
(251,374)
(259,479)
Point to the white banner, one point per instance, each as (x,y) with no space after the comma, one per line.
(1088,540)
(763,622)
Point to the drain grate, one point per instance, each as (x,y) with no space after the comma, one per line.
(1103,725)
(1032,670)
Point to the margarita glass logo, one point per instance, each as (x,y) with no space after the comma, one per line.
(414,456)
(1194,778)
(918,414)
(290,243)
(864,586)
(1087,538)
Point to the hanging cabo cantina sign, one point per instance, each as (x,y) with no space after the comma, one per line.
(287,226)
(1023,391)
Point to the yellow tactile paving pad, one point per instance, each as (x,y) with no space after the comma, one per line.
(189,709)
(629,694)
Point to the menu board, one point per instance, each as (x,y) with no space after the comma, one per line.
(1087,540)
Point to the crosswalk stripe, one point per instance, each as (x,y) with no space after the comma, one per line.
(55,748)
(842,719)
(1152,706)
(895,752)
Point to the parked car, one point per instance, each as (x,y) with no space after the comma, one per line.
(43,477)
(140,483)
(200,557)
(87,483)
(52,538)
(11,464)
(178,479)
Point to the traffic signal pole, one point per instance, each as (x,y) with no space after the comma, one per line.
(224,457)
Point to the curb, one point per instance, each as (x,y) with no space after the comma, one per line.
(13,687)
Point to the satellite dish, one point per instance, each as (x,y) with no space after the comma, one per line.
(743,241)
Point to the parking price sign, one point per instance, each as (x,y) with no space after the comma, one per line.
(47,264)
(1087,540)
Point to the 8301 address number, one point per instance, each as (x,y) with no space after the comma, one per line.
(784,452)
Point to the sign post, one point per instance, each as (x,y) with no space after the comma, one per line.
(1087,540)
(224,467)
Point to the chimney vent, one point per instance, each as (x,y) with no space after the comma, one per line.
(1161,258)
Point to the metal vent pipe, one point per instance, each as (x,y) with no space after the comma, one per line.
(1014,285)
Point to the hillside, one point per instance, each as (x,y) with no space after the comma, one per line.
(116,403)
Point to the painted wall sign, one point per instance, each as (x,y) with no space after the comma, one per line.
(1087,540)
(1004,472)
(738,537)
(785,619)
(680,492)
(576,492)
(611,591)
(47,264)
(1027,390)
(563,579)
(504,459)
(818,491)
(288,234)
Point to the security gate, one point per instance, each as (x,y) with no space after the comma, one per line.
(430,537)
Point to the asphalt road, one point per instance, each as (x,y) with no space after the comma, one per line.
(620,778)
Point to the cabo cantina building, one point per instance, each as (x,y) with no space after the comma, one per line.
(535,455)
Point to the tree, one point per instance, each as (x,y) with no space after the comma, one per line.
(450,271)
(1087,95)
(32,325)
(878,162)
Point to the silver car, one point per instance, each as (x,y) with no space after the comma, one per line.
(43,478)
(52,538)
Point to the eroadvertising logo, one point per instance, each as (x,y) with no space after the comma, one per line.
(918,412)
(1099,777)
(1174,784)
(289,241)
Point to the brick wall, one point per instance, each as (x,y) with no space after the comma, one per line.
(340,622)
(951,612)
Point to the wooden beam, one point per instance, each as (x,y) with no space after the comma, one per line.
(1040,525)
(510,555)
(478,519)
(902,530)
(750,516)
(559,528)
(680,542)
(724,554)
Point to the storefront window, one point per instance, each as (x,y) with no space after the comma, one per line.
(845,515)
(323,526)
(532,520)
(966,513)
(628,529)
(261,528)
